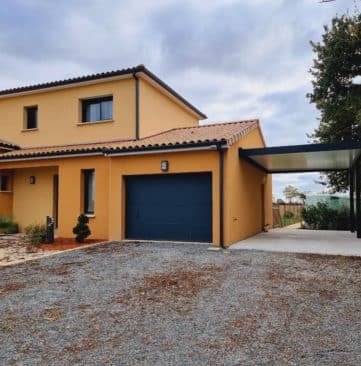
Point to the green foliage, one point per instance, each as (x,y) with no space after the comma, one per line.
(81,230)
(337,63)
(35,234)
(5,221)
(288,215)
(322,217)
(8,226)
(12,228)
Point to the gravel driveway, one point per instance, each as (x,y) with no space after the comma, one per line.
(173,304)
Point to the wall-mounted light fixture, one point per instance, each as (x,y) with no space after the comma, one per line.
(164,165)
(32,179)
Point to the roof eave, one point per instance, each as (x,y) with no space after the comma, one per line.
(116,151)
(100,78)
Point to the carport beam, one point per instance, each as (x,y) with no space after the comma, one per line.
(358,203)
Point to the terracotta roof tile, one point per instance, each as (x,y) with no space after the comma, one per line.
(8,145)
(225,133)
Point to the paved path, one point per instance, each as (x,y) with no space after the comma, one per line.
(304,241)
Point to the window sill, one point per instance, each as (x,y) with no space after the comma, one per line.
(95,122)
(29,129)
(90,216)
(6,191)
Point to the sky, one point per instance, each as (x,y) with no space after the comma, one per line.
(232,59)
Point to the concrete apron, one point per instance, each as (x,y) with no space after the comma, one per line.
(303,241)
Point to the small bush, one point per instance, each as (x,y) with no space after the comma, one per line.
(35,235)
(12,228)
(81,230)
(288,215)
(323,217)
(7,226)
(5,221)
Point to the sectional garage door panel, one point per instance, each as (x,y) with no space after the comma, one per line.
(169,207)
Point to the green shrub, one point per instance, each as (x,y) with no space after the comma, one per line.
(81,230)
(12,228)
(35,234)
(288,215)
(5,221)
(7,226)
(322,217)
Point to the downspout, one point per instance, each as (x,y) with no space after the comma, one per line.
(136,105)
(221,195)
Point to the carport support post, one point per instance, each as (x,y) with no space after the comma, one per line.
(352,202)
(358,203)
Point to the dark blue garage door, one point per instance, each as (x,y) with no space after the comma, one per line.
(169,207)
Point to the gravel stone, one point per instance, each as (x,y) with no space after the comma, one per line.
(179,304)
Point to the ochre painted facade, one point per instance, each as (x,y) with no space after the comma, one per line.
(159,113)
(33,202)
(243,193)
(59,114)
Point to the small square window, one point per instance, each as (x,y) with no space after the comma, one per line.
(4,183)
(97,109)
(31,118)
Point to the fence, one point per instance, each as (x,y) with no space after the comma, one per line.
(279,212)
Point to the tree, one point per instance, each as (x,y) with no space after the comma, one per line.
(290,192)
(337,63)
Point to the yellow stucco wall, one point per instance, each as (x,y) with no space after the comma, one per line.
(243,193)
(70,195)
(6,198)
(33,202)
(59,115)
(157,112)
(6,203)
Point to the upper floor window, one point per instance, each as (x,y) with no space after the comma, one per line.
(31,117)
(4,183)
(97,109)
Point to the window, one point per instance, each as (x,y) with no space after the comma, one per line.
(89,190)
(4,183)
(97,109)
(31,118)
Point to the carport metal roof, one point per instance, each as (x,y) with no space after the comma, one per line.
(304,158)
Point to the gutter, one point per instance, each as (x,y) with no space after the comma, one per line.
(136,105)
(46,157)
(159,151)
(220,149)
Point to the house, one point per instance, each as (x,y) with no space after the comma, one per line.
(128,151)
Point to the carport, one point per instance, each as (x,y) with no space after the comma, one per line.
(345,156)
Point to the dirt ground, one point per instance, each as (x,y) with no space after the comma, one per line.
(13,250)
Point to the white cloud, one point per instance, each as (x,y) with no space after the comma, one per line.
(233,59)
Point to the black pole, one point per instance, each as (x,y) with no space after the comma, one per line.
(358,203)
(352,202)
